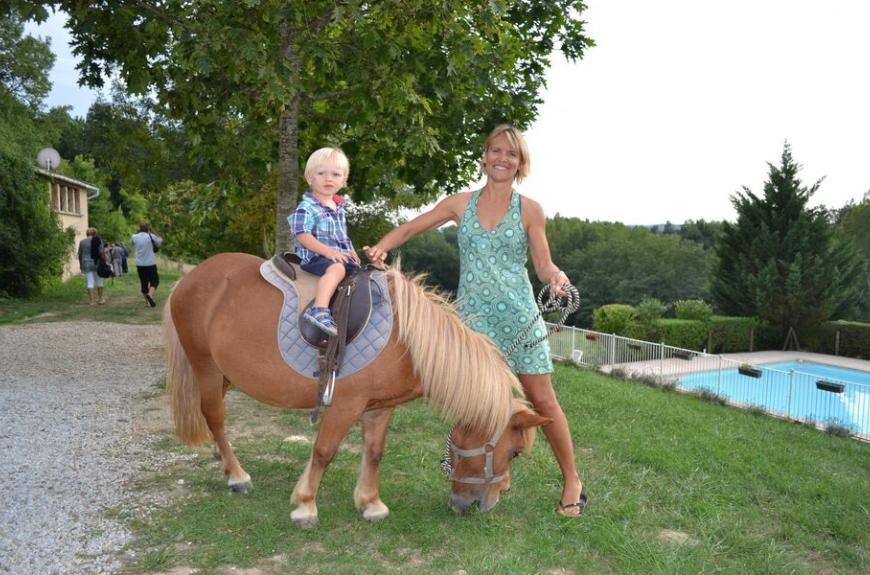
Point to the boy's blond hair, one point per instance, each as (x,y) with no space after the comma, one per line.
(334,156)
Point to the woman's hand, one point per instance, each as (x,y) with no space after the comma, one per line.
(377,256)
(558,281)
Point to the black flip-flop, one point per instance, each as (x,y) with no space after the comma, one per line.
(580,505)
(150,300)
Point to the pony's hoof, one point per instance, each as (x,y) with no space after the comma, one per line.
(242,486)
(376,512)
(304,522)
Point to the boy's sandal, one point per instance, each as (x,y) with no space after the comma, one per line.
(573,509)
(322,318)
(150,300)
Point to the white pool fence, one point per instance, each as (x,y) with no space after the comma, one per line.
(790,394)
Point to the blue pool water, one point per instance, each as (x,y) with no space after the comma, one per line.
(796,394)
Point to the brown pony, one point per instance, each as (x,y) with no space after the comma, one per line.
(220,324)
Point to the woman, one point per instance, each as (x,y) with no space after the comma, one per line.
(90,249)
(497,229)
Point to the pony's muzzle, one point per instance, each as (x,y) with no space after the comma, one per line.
(460,504)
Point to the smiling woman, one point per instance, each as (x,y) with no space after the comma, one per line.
(498,229)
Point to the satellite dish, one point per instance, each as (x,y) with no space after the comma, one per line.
(48,159)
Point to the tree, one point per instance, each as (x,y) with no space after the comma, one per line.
(406,88)
(435,253)
(33,247)
(24,63)
(780,261)
(701,231)
(854,225)
(627,265)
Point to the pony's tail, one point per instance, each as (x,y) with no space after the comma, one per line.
(190,424)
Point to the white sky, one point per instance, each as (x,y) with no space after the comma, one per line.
(679,104)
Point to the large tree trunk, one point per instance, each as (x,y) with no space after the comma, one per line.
(288,149)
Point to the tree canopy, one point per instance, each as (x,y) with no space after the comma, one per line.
(33,246)
(407,88)
(781,260)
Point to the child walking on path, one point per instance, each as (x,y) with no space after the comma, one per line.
(320,232)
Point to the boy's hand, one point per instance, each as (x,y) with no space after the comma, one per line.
(337,256)
(377,256)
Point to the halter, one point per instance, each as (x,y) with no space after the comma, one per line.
(572,304)
(453,453)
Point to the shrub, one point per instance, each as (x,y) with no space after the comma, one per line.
(649,310)
(613,318)
(693,309)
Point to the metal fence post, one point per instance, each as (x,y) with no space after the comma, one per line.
(661,359)
(719,377)
(573,341)
(790,384)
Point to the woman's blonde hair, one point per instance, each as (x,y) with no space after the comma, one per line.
(517,141)
(334,156)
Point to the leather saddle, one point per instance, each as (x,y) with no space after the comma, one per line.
(360,301)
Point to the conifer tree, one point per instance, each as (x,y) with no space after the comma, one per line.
(781,261)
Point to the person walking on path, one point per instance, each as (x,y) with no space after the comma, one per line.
(117,256)
(91,248)
(498,229)
(144,242)
(125,254)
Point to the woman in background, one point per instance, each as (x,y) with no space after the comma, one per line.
(90,249)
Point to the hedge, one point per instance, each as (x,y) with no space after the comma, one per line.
(731,334)
(685,333)
(854,339)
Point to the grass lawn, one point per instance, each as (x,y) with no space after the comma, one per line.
(68,301)
(676,485)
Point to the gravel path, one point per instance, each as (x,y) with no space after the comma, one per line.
(77,422)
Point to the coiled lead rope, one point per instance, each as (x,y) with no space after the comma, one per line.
(553,303)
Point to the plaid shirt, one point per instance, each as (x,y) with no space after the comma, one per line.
(328,226)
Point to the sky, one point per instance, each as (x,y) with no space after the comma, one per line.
(679,105)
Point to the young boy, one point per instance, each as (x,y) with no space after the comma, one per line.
(320,232)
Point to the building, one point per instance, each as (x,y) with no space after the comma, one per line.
(69,200)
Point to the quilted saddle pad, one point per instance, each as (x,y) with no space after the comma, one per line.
(299,354)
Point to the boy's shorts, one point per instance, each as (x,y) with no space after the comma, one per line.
(318,264)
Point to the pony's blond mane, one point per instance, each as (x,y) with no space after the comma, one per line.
(461,371)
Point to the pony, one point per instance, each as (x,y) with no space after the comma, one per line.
(220,324)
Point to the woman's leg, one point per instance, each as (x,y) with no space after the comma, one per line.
(539,390)
(100,292)
(89,280)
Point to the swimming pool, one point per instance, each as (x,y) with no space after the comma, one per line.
(801,390)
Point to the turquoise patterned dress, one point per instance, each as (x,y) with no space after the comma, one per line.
(495,296)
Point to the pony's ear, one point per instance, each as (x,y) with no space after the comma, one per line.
(525,419)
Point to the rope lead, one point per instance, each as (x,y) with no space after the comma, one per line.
(572,304)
